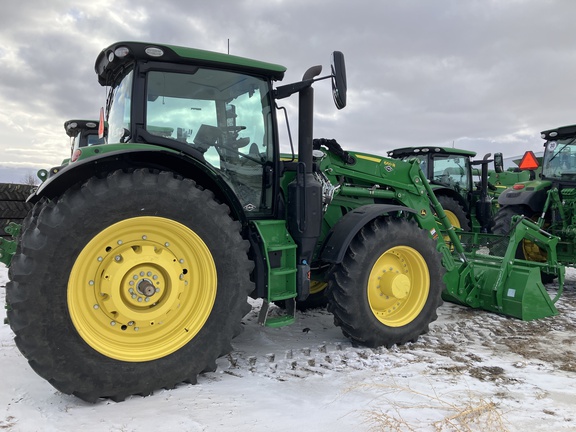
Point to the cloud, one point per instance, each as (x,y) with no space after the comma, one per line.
(484,75)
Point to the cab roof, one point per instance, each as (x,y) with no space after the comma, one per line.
(407,151)
(559,133)
(73,127)
(115,57)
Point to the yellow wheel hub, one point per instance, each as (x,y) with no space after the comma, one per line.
(454,221)
(398,286)
(142,288)
(533,252)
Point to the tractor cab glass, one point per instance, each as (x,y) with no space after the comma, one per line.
(119,110)
(453,171)
(226,116)
(422,161)
(85,138)
(560,159)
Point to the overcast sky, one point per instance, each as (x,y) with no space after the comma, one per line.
(481,75)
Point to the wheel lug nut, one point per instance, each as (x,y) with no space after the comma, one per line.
(112,323)
(118,258)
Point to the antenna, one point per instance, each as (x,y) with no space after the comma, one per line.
(228,46)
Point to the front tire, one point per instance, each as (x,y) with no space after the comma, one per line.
(144,281)
(388,287)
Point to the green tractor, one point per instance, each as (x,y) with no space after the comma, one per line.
(451,172)
(82,133)
(548,197)
(13,196)
(132,271)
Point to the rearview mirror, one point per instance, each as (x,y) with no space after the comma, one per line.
(339,85)
(498,162)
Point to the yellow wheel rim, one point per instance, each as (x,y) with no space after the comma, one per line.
(317,287)
(398,286)
(454,221)
(533,252)
(142,288)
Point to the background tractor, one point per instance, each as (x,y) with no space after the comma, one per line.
(13,196)
(548,197)
(463,189)
(82,133)
(143,251)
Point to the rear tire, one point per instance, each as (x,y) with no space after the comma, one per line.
(388,287)
(86,327)
(526,250)
(455,212)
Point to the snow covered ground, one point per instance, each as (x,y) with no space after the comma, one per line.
(472,371)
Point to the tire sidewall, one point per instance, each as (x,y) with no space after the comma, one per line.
(396,238)
(358,312)
(195,209)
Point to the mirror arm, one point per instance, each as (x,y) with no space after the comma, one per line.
(289,89)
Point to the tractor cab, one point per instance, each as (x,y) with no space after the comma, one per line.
(82,133)
(559,162)
(216,108)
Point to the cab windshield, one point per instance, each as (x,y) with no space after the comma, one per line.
(560,159)
(453,171)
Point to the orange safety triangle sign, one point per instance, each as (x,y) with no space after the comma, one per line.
(529,161)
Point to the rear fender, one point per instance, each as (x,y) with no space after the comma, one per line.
(342,233)
(99,165)
(534,199)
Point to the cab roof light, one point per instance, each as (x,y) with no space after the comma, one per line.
(121,52)
(154,51)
